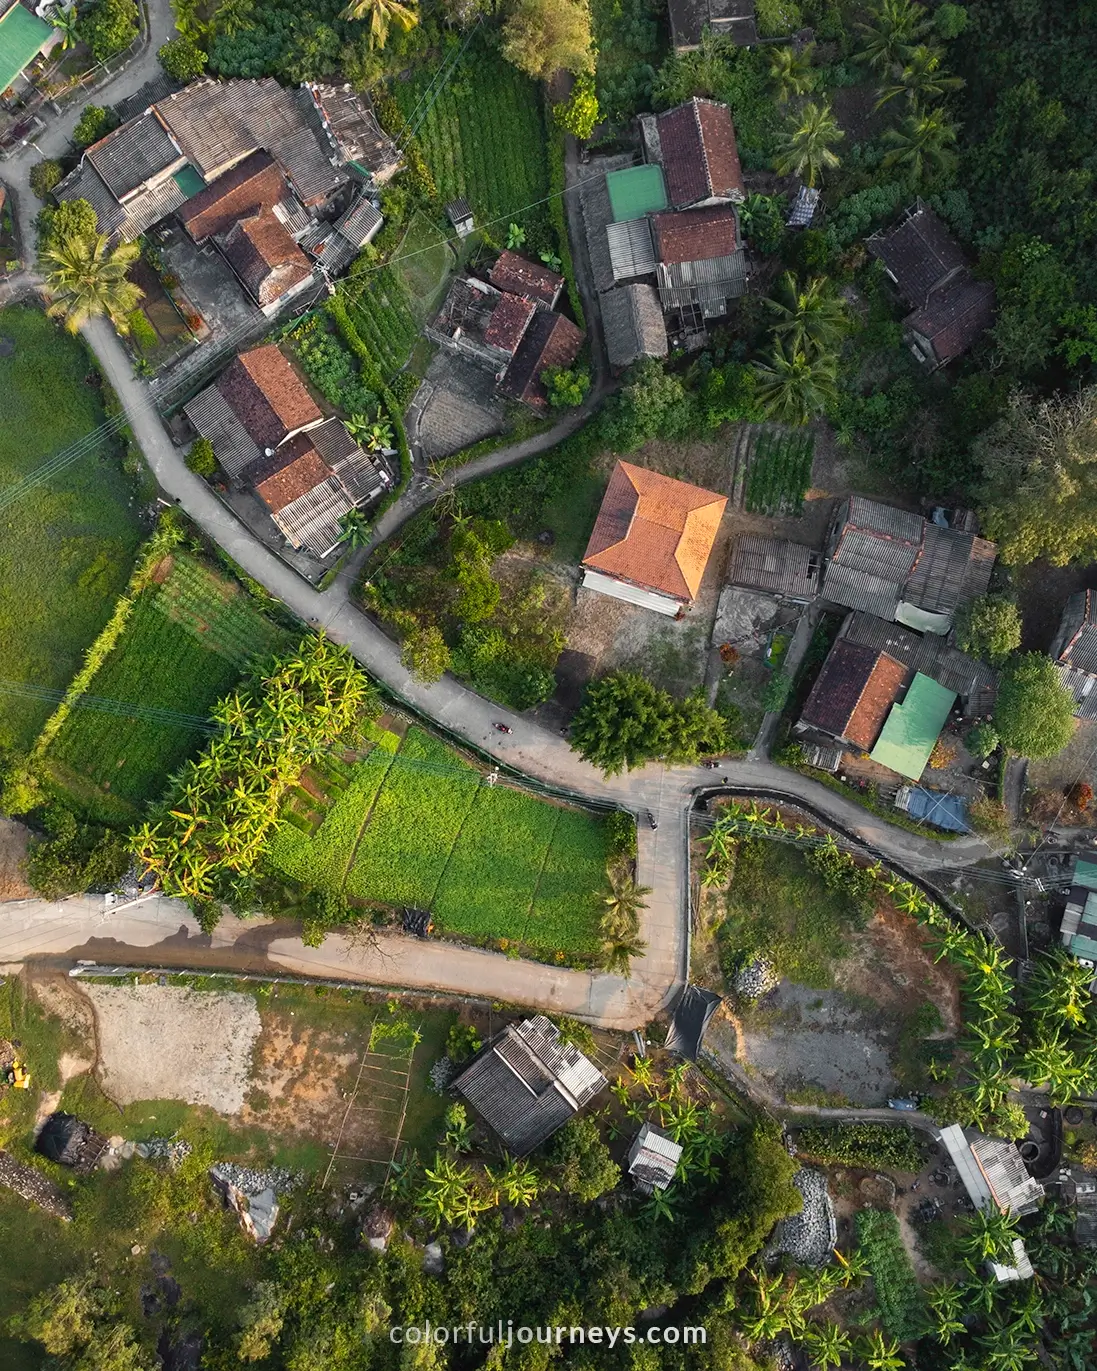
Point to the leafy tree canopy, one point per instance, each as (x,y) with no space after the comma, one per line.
(625,721)
(182,59)
(541,37)
(989,627)
(1034,714)
(108,26)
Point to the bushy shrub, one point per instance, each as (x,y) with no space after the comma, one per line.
(108,27)
(142,332)
(586,1169)
(463,1042)
(94,122)
(182,59)
(870,1145)
(44,176)
(621,834)
(202,459)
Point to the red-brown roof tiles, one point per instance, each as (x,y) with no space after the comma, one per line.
(550,341)
(695,235)
(520,276)
(508,322)
(699,154)
(253,184)
(264,256)
(267,396)
(292,472)
(654,531)
(854,692)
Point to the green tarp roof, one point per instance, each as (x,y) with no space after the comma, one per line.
(1085,874)
(22,36)
(1081,946)
(188,181)
(636,191)
(913,727)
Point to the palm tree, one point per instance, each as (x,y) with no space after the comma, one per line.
(793,387)
(87,278)
(618,952)
(891,32)
(624,901)
(920,79)
(826,1345)
(807,150)
(791,71)
(990,1237)
(65,22)
(233,17)
(946,1303)
(922,144)
(517,1182)
(880,1354)
(381,14)
(808,316)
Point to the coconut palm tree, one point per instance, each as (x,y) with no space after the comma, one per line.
(922,145)
(891,33)
(793,387)
(619,950)
(807,316)
(826,1345)
(920,79)
(808,146)
(624,901)
(87,278)
(233,17)
(791,72)
(381,14)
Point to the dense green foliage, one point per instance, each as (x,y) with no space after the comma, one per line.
(182,59)
(895,1286)
(414,825)
(989,627)
(874,1146)
(1034,712)
(624,722)
(108,26)
(69,542)
(73,857)
(93,123)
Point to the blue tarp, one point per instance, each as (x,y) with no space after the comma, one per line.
(945,811)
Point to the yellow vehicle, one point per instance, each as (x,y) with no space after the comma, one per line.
(20,1076)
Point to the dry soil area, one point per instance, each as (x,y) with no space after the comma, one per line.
(166,1043)
(14,840)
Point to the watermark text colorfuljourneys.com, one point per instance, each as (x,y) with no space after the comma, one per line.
(507,1334)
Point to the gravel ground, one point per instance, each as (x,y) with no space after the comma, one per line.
(165,1043)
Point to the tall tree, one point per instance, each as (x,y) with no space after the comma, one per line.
(807,148)
(382,14)
(989,627)
(893,27)
(920,79)
(807,315)
(1034,712)
(922,145)
(87,277)
(791,72)
(794,387)
(541,37)
(1040,479)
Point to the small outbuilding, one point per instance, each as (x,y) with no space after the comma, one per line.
(459,213)
(653,1159)
(527,1083)
(69,1141)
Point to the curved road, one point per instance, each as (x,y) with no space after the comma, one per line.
(39,928)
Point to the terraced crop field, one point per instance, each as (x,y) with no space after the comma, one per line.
(421,827)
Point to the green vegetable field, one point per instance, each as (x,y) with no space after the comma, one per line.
(780,472)
(185,645)
(484,138)
(67,544)
(496,866)
(380,310)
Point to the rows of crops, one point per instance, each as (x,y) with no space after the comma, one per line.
(379,308)
(186,645)
(494,865)
(780,472)
(484,139)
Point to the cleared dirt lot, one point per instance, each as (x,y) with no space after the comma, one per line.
(165,1043)
(14,840)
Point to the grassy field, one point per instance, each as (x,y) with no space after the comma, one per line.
(484,139)
(423,261)
(186,645)
(66,546)
(419,827)
(779,908)
(780,472)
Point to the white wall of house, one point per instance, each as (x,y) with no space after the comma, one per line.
(632,595)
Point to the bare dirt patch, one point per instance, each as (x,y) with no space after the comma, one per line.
(65,1000)
(14,841)
(166,1043)
(301,1077)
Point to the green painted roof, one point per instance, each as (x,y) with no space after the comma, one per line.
(1081,946)
(1085,874)
(22,37)
(188,181)
(913,727)
(636,191)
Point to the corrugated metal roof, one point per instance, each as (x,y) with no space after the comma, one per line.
(142,211)
(712,282)
(935,807)
(1021,1270)
(1083,687)
(973,681)
(913,727)
(214,418)
(975,1183)
(653,1157)
(22,36)
(314,520)
(134,154)
(803,207)
(1013,1189)
(597,216)
(1085,874)
(857,587)
(85,183)
(631,251)
(633,324)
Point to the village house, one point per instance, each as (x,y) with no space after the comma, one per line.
(277,182)
(652,539)
(1074,652)
(270,436)
(527,1083)
(689,19)
(23,35)
(950,309)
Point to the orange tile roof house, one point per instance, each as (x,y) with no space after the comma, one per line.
(652,539)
